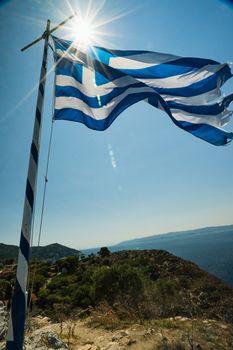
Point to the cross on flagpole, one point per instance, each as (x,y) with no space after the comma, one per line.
(16,325)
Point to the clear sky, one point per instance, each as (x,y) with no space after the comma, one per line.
(143,175)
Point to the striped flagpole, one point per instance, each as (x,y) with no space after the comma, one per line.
(15,336)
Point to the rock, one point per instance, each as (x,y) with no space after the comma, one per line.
(88,341)
(45,341)
(52,341)
(120,335)
(180,318)
(149,331)
(89,347)
(100,338)
(117,337)
(223,326)
(94,347)
(3,320)
(160,335)
(130,341)
(112,346)
(86,347)
(124,332)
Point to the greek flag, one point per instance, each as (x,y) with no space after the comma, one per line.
(94,86)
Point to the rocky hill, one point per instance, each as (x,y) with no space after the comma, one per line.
(51,252)
(147,299)
(201,246)
(134,284)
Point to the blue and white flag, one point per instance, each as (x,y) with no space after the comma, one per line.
(95,86)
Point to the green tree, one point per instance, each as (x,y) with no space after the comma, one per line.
(104,252)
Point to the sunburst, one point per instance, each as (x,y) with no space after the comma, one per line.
(89,26)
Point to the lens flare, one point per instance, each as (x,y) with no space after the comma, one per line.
(89,27)
(83,32)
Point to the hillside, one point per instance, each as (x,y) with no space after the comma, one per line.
(157,297)
(50,252)
(145,284)
(210,248)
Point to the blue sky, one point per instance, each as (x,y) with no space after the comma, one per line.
(143,175)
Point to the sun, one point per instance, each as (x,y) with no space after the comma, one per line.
(83,31)
(89,26)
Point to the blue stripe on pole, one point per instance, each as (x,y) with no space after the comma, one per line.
(18,309)
(29,194)
(38,115)
(41,88)
(34,152)
(24,247)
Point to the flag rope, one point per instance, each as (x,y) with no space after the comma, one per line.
(41,216)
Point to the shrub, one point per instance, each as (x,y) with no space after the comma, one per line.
(82,296)
(104,252)
(69,263)
(117,283)
(5,289)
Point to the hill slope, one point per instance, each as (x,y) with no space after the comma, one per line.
(51,252)
(181,304)
(133,284)
(211,248)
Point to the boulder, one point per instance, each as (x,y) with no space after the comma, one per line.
(52,340)
(45,341)
(112,346)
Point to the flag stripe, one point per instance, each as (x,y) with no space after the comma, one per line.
(208,133)
(164,71)
(120,62)
(67,91)
(218,120)
(204,99)
(68,81)
(102,113)
(195,114)
(171,86)
(98,124)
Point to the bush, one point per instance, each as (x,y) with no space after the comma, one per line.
(168,297)
(104,252)
(117,283)
(5,290)
(70,263)
(82,296)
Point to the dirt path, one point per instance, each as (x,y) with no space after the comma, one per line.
(79,335)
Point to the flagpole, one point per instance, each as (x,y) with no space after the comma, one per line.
(16,326)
